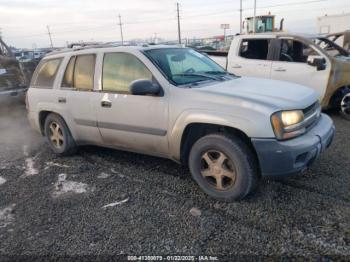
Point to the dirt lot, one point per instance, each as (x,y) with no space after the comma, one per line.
(55,206)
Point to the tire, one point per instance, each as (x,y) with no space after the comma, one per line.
(240,161)
(58,136)
(345,106)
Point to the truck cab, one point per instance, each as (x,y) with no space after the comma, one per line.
(311,61)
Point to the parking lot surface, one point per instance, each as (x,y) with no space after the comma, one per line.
(107,202)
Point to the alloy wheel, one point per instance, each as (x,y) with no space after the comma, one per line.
(345,105)
(56,135)
(218,170)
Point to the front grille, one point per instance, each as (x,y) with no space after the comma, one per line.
(312,115)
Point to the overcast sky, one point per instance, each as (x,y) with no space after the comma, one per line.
(23,22)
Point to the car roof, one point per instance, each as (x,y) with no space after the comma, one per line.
(105,48)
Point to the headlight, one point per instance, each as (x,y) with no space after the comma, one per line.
(288,124)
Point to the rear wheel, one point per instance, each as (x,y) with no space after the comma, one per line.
(223,166)
(58,135)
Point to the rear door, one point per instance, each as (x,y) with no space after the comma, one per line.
(291,65)
(136,123)
(77,93)
(252,58)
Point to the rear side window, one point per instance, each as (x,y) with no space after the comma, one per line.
(120,69)
(80,72)
(47,73)
(68,75)
(255,49)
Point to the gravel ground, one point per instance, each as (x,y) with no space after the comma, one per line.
(106,202)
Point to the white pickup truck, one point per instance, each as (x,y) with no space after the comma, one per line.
(311,61)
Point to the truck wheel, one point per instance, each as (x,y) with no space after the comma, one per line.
(224,167)
(345,106)
(58,135)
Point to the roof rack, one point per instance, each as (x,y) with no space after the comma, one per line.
(83,46)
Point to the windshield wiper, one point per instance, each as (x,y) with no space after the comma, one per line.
(216,72)
(198,75)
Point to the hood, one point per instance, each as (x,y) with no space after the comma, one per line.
(278,95)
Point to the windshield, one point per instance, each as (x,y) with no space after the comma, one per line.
(330,47)
(184,65)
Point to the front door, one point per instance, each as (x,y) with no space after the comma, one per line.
(292,66)
(136,123)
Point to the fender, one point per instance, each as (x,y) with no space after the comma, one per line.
(247,124)
(59,110)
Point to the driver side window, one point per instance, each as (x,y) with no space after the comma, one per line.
(295,51)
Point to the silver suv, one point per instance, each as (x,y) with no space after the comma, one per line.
(176,103)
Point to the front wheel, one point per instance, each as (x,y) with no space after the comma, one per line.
(345,106)
(224,167)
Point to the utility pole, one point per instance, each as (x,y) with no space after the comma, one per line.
(121,29)
(48,31)
(178,22)
(240,17)
(254,19)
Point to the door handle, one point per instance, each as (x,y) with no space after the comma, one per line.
(62,100)
(236,66)
(106,104)
(280,70)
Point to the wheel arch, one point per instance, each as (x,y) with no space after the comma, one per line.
(337,95)
(194,131)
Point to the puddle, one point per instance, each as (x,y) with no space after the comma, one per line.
(6,216)
(2,180)
(65,187)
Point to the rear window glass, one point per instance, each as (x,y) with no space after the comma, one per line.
(84,72)
(68,75)
(47,73)
(254,49)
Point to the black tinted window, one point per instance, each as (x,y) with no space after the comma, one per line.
(255,49)
(47,73)
(84,72)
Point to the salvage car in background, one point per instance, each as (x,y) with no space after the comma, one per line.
(312,61)
(177,103)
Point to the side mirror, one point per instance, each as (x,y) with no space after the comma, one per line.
(318,62)
(144,87)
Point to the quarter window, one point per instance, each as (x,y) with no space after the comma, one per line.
(47,73)
(120,69)
(255,49)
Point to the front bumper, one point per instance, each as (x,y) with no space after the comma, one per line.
(281,158)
